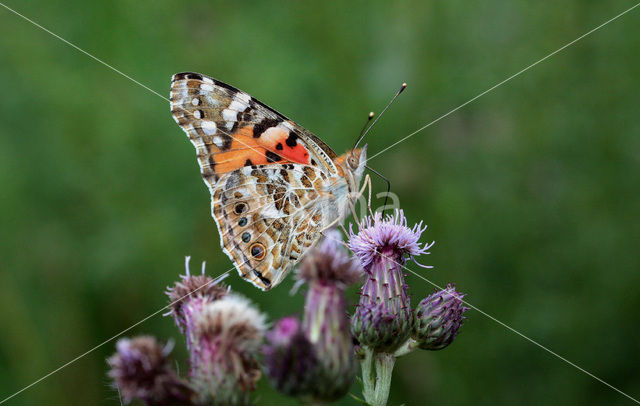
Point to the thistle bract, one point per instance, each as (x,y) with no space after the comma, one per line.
(438,318)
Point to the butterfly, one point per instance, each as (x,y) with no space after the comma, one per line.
(274,185)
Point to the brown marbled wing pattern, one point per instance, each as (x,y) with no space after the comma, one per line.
(268,217)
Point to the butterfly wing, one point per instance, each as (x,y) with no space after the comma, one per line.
(268,217)
(266,175)
(231,129)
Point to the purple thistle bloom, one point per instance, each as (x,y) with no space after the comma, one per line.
(141,370)
(438,318)
(328,270)
(383,318)
(390,234)
(290,359)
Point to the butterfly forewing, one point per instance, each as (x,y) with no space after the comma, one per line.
(231,129)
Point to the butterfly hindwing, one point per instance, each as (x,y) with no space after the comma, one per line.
(268,217)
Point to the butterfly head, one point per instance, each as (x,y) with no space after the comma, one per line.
(355,163)
(357,159)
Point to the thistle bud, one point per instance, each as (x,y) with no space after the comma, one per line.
(141,369)
(383,319)
(438,318)
(328,270)
(290,360)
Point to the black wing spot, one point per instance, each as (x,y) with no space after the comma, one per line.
(279,146)
(271,157)
(291,140)
(248,163)
(257,251)
(263,125)
(262,278)
(196,76)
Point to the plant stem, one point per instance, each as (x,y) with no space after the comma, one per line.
(368,379)
(384,369)
(406,348)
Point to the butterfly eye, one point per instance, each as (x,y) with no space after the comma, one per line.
(257,251)
(352,161)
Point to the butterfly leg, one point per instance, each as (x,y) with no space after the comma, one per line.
(366,184)
(333,223)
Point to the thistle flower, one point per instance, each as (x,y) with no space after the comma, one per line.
(290,360)
(227,334)
(192,292)
(328,271)
(223,332)
(383,318)
(141,370)
(438,318)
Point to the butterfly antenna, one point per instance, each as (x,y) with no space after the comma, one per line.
(404,86)
(386,196)
(364,127)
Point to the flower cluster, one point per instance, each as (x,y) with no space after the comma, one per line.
(313,358)
(224,333)
(384,323)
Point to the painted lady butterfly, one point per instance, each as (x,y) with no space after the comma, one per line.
(274,185)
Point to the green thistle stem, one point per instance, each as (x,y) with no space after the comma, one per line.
(368,378)
(376,385)
(409,346)
(384,369)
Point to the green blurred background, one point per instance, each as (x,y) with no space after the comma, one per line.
(531,192)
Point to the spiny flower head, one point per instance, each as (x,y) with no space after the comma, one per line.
(193,290)
(234,322)
(141,370)
(226,335)
(384,318)
(438,318)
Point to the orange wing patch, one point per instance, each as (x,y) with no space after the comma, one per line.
(286,144)
(274,145)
